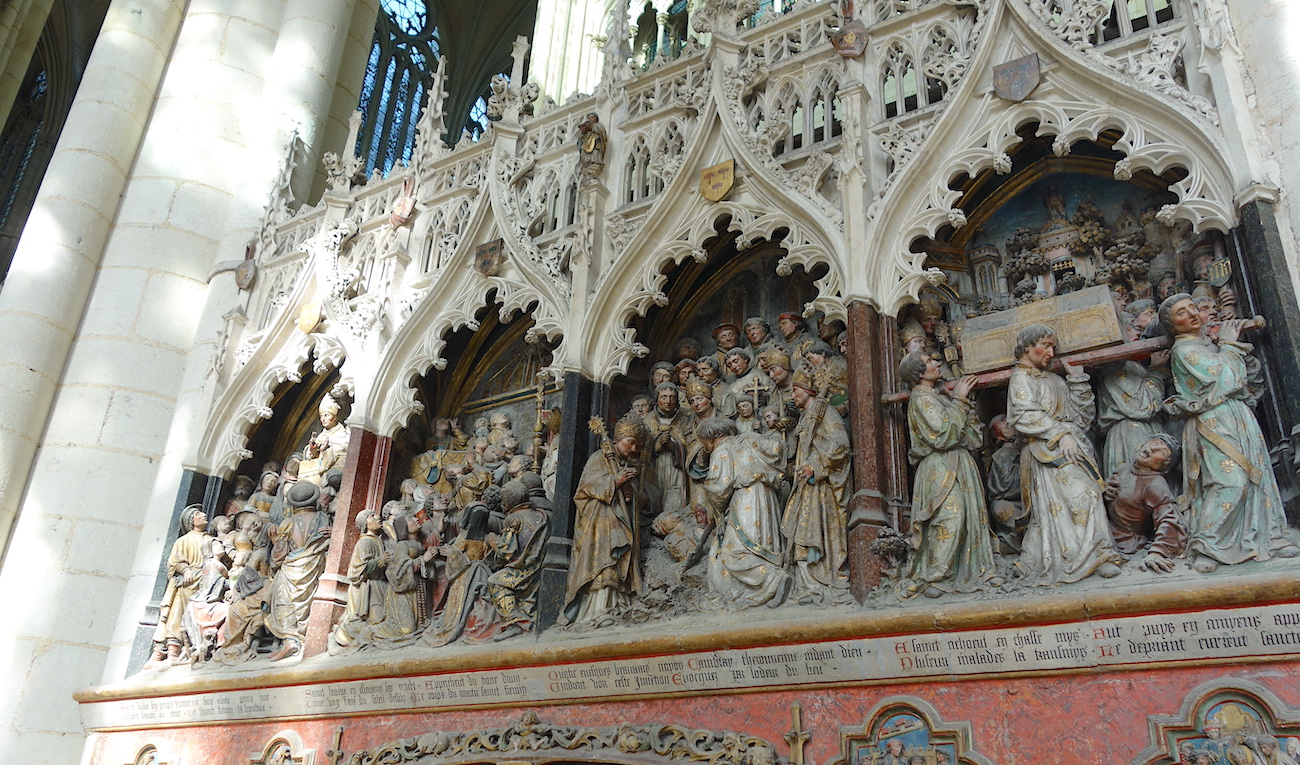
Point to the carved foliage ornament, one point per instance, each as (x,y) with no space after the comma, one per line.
(532,736)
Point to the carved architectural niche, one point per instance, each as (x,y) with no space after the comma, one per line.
(284,748)
(903,728)
(533,740)
(1228,720)
(149,755)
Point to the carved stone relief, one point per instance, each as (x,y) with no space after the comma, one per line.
(1225,721)
(531,738)
(905,730)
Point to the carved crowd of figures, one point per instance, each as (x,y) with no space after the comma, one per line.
(1085,471)
(739,456)
(244,586)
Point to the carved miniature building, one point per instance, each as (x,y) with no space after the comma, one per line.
(637,428)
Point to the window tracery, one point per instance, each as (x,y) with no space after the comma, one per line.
(400,70)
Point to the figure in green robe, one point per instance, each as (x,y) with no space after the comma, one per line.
(1234,511)
(950,533)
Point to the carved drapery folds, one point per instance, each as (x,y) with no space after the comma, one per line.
(533,738)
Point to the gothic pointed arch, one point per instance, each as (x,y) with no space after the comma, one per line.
(674,229)
(1079,98)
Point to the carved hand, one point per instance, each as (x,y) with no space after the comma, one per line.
(624,475)
(1070,449)
(1156,563)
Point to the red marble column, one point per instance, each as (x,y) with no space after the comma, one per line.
(364,474)
(879,475)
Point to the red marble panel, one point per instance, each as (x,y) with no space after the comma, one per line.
(1084,718)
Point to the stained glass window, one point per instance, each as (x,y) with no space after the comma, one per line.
(398,74)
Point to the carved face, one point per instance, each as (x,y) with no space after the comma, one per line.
(914,344)
(728,339)
(1144,318)
(373,523)
(933,370)
(801,396)
(745,408)
(928,324)
(816,359)
(1209,311)
(627,446)
(1153,455)
(702,405)
(1041,353)
(769,419)
(788,328)
(328,419)
(707,372)
(738,364)
(667,400)
(269,482)
(684,374)
(1186,319)
(641,406)
(779,374)
(441,427)
(199,522)
(756,334)
(894,747)
(660,376)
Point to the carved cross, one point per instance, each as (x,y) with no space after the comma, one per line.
(797,737)
(754,388)
(336,753)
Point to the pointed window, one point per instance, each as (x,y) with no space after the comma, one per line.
(398,74)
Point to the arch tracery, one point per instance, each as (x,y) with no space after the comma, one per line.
(975,131)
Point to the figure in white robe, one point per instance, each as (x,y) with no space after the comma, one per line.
(746,564)
(1068,537)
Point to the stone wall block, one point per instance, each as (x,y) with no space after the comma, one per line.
(35,343)
(118,363)
(43,748)
(20,424)
(248,44)
(147,201)
(69,276)
(128,286)
(92,181)
(148,247)
(107,129)
(40,560)
(82,421)
(100,548)
(62,669)
(137,422)
(88,598)
(126,479)
(122,88)
(165,316)
(201,209)
(17,664)
(151,20)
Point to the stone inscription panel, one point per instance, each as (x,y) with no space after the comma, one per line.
(1228,633)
